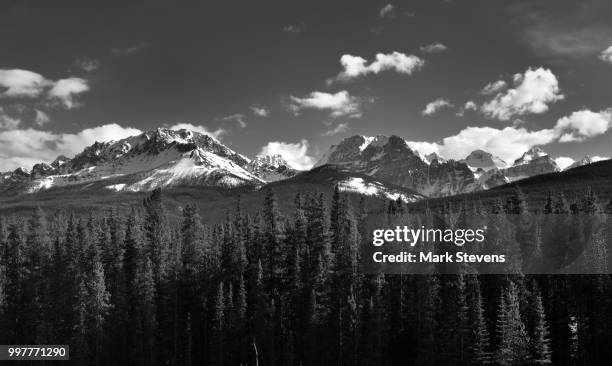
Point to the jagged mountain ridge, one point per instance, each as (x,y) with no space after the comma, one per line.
(271,168)
(479,159)
(390,159)
(153,159)
(534,161)
(167,158)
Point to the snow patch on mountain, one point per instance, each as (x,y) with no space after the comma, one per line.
(530,155)
(377,189)
(479,159)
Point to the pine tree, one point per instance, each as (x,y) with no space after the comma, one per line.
(99,304)
(219,326)
(144,313)
(513,339)
(272,243)
(540,342)
(156,232)
(12,288)
(480,349)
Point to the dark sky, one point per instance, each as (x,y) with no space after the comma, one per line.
(152,63)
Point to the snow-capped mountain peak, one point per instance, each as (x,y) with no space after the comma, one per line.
(158,158)
(584,161)
(534,161)
(275,160)
(271,167)
(433,157)
(531,154)
(483,160)
(391,160)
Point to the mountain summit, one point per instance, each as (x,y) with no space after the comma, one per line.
(159,158)
(390,159)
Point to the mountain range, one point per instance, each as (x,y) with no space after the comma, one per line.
(383,166)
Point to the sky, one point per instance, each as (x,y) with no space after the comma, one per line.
(295,77)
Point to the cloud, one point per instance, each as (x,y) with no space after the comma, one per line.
(7,122)
(65,90)
(21,83)
(199,128)
(340,104)
(26,147)
(434,48)
(355,66)
(41,118)
(260,110)
(470,105)
(494,87)
(432,107)
(18,83)
(532,93)
(511,142)
(606,55)
(387,11)
(577,36)
(583,124)
(508,143)
(296,154)
(564,161)
(88,65)
(294,28)
(130,49)
(238,118)
(342,127)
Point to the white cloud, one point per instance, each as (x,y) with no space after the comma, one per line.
(25,147)
(599,158)
(294,28)
(17,83)
(21,83)
(564,161)
(296,154)
(606,55)
(470,105)
(130,49)
(260,110)
(355,66)
(434,48)
(238,118)
(41,118)
(494,87)
(340,104)
(511,142)
(436,105)
(199,128)
(532,93)
(7,122)
(508,143)
(88,65)
(388,11)
(342,127)
(583,124)
(65,90)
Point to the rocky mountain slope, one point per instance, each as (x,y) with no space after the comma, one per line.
(171,158)
(327,176)
(271,168)
(160,158)
(479,159)
(533,162)
(391,160)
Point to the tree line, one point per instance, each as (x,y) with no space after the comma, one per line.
(286,288)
